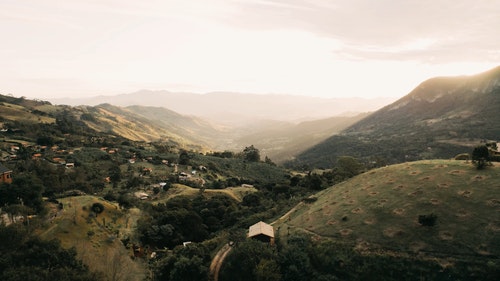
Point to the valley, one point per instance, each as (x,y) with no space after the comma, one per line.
(139,192)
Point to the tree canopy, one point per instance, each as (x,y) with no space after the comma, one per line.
(480,156)
(251,154)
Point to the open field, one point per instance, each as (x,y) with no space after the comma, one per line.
(236,193)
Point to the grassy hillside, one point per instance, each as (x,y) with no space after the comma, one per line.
(378,211)
(235,193)
(22,114)
(96,238)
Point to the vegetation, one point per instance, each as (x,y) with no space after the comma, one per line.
(123,207)
(27,257)
(439,119)
(420,209)
(480,156)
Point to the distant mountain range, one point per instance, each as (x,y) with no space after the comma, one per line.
(440,118)
(281,126)
(238,109)
(443,116)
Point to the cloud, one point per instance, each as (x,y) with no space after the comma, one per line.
(316,47)
(463,29)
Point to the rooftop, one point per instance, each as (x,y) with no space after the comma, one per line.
(261,228)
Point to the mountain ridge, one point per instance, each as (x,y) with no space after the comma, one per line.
(438,119)
(243,108)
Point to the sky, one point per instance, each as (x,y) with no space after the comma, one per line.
(321,48)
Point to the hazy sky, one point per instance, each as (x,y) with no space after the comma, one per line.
(327,48)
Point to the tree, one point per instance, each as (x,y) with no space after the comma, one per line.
(183,263)
(251,260)
(480,156)
(26,257)
(184,158)
(269,161)
(115,175)
(348,166)
(24,190)
(314,181)
(427,220)
(251,154)
(97,208)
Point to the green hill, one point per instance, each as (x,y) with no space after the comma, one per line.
(379,211)
(440,118)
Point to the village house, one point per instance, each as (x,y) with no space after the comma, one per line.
(493,149)
(262,232)
(5,174)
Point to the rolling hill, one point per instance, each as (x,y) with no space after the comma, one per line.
(152,124)
(279,140)
(32,119)
(440,118)
(378,211)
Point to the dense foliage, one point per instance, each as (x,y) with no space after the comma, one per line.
(302,259)
(27,258)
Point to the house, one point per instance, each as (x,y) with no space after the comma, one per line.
(36,156)
(493,149)
(262,231)
(5,174)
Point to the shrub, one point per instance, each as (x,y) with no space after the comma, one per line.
(97,208)
(427,220)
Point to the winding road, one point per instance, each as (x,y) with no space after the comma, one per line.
(218,259)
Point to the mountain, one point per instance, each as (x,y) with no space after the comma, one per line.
(238,108)
(440,118)
(280,125)
(35,119)
(281,141)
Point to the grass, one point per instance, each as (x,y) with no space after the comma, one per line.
(20,113)
(235,193)
(379,210)
(96,239)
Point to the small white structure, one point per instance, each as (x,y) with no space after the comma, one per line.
(141,195)
(262,231)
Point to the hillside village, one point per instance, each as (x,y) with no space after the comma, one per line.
(378,201)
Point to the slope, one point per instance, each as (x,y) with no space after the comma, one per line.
(439,119)
(281,141)
(96,238)
(379,211)
(140,124)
